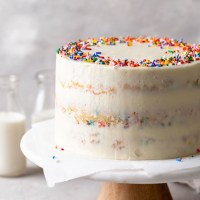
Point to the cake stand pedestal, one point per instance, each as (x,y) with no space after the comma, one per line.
(120,184)
(117,191)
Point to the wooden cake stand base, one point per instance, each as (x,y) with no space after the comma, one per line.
(118,191)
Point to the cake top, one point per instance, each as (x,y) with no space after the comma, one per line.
(131,51)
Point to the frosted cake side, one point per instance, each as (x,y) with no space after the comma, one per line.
(144,105)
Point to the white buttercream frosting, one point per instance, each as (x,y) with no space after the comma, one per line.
(127,113)
(135,52)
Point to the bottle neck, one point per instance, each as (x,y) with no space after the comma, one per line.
(46,90)
(45,77)
(9,94)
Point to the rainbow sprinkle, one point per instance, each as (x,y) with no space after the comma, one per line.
(179,159)
(188,54)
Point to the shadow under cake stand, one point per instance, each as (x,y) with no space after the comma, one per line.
(118,185)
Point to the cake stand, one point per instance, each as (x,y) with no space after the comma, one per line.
(121,184)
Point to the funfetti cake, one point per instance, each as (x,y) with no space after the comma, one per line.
(132,98)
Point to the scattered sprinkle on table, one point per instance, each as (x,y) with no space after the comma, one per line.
(179,159)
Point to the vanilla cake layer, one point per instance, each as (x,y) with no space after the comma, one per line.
(130,113)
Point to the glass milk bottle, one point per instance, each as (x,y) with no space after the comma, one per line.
(12,128)
(45,100)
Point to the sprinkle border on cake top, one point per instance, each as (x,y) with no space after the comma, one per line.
(188,54)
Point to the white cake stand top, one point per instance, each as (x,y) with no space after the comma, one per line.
(42,134)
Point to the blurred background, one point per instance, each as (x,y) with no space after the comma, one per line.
(32,30)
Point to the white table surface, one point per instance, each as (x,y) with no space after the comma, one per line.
(32,186)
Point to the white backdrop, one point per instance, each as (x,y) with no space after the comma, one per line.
(32,30)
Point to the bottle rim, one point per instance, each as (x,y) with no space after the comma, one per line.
(45,75)
(9,80)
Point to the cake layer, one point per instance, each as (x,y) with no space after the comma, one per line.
(134,143)
(124,88)
(165,77)
(130,103)
(149,118)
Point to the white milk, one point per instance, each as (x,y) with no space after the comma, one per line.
(12,128)
(42,116)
